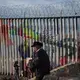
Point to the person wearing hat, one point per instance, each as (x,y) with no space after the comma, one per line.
(40,63)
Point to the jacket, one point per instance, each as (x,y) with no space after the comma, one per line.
(40,64)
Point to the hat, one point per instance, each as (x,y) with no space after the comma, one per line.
(37,44)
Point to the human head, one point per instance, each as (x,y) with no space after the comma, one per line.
(37,45)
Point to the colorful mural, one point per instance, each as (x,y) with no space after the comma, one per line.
(4,34)
(8,29)
(16,37)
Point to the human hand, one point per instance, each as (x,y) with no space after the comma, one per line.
(28,60)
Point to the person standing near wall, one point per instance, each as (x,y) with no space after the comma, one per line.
(24,51)
(40,63)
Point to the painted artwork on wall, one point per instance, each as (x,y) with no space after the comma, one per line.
(17,35)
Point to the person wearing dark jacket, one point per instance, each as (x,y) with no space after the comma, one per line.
(40,63)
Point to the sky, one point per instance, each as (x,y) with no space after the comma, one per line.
(26,2)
